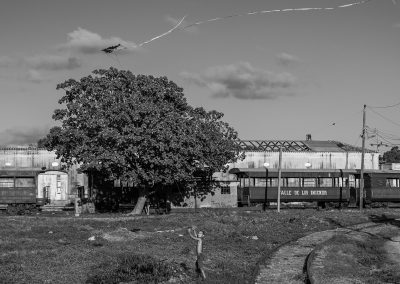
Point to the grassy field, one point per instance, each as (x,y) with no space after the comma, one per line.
(113,248)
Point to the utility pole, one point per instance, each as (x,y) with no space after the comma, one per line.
(279,179)
(362,161)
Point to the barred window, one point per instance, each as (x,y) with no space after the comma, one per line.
(6,182)
(225,190)
(325,182)
(309,182)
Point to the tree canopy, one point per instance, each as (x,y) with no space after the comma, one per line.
(138,128)
(392,156)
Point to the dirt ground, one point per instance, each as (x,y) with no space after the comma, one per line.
(61,248)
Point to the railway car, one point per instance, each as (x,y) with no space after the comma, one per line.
(381,186)
(297,185)
(18,189)
(321,186)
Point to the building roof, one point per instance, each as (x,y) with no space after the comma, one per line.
(298,146)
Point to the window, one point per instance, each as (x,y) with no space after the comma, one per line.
(225,190)
(260,182)
(58,184)
(25,182)
(352,182)
(325,182)
(339,182)
(6,182)
(309,182)
(392,182)
(293,182)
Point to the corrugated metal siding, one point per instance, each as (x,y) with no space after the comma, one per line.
(34,158)
(318,160)
(26,157)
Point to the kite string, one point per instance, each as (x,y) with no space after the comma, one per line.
(275,11)
(164,34)
(176,27)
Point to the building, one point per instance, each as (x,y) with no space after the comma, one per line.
(55,186)
(61,187)
(295,155)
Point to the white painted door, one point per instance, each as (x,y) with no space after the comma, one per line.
(54,184)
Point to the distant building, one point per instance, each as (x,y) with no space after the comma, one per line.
(60,187)
(295,155)
(391,166)
(55,185)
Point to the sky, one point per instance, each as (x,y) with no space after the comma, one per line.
(275,76)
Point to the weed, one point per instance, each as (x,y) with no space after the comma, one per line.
(141,268)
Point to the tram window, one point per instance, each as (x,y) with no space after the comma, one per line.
(260,182)
(309,182)
(352,181)
(24,182)
(273,182)
(325,182)
(6,182)
(392,182)
(293,182)
(338,182)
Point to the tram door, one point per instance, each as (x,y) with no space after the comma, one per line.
(54,185)
(353,190)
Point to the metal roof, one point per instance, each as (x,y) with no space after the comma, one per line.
(298,146)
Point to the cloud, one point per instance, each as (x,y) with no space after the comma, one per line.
(242,81)
(35,76)
(286,59)
(22,136)
(6,61)
(87,42)
(53,62)
(174,22)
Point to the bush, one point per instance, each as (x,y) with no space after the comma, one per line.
(140,268)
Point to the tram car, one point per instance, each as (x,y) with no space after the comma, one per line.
(18,189)
(310,185)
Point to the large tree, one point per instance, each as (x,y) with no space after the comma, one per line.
(392,156)
(141,129)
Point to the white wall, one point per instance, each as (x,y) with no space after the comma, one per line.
(318,160)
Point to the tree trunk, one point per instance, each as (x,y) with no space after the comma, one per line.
(140,202)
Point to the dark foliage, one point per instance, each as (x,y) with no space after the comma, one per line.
(132,268)
(392,156)
(139,129)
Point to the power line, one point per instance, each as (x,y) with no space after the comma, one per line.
(384,117)
(389,106)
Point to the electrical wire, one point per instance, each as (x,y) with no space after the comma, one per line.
(389,106)
(382,116)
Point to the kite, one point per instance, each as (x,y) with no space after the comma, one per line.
(111,49)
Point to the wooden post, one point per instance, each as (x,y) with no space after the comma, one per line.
(279,179)
(362,161)
(77,207)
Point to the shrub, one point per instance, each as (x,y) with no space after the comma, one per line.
(140,268)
